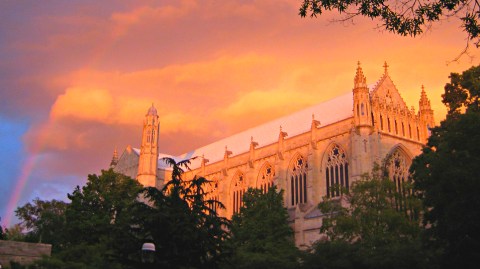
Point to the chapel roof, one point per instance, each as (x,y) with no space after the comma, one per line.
(328,112)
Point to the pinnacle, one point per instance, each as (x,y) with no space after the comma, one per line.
(360,80)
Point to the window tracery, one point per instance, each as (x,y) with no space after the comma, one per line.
(265,178)
(336,172)
(238,190)
(212,194)
(298,181)
(397,167)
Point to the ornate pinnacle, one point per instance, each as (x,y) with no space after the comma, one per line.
(359,80)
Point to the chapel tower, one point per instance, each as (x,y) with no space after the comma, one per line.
(148,161)
(361,100)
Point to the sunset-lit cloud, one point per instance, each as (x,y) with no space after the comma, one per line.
(78,77)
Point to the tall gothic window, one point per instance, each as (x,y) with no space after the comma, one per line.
(397,167)
(396,129)
(403,129)
(410,131)
(336,172)
(388,123)
(238,190)
(362,109)
(298,181)
(265,178)
(381,122)
(212,195)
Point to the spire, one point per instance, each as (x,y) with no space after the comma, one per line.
(385,66)
(152,111)
(424,103)
(360,81)
(114,161)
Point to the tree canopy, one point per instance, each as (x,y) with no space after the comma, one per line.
(409,17)
(43,220)
(446,175)
(365,229)
(181,221)
(261,235)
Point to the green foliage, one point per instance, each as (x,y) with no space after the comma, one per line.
(15,233)
(410,17)
(446,175)
(180,221)
(99,217)
(3,236)
(44,221)
(463,92)
(261,235)
(364,228)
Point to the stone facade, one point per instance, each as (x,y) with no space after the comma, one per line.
(341,141)
(22,252)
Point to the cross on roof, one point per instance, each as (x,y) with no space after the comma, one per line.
(385,65)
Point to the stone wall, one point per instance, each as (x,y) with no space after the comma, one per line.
(22,252)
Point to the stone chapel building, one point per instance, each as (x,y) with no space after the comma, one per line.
(305,153)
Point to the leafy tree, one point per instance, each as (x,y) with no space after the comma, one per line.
(3,236)
(181,222)
(409,17)
(15,233)
(446,175)
(261,235)
(44,221)
(98,231)
(364,229)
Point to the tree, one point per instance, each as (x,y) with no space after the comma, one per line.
(3,236)
(364,228)
(261,235)
(15,233)
(44,221)
(180,220)
(410,17)
(98,231)
(446,175)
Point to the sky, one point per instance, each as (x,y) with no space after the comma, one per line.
(77,77)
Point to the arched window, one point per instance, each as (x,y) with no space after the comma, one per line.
(410,131)
(403,129)
(238,190)
(265,177)
(396,129)
(212,194)
(362,109)
(373,120)
(381,122)
(298,181)
(358,110)
(397,167)
(418,134)
(388,123)
(336,172)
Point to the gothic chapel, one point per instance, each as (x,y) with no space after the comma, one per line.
(305,153)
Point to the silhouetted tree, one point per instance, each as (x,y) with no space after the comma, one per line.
(261,234)
(446,175)
(180,220)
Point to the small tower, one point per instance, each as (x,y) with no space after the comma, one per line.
(148,161)
(361,100)
(425,113)
(114,161)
